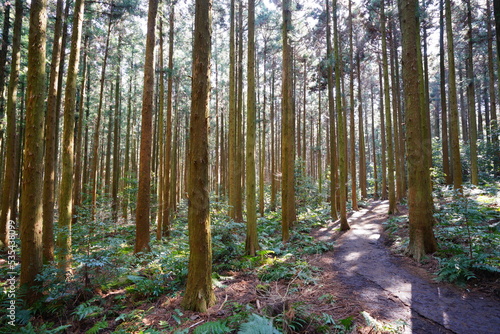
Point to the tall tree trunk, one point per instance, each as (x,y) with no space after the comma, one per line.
(334,182)
(239,174)
(352,130)
(95,145)
(251,244)
(471,99)
(361,131)
(66,189)
(422,239)
(143,195)
(199,294)
(77,189)
(383,147)
(388,117)
(51,139)
(444,110)
(493,112)
(288,129)
(342,135)
(168,140)
(9,199)
(127,175)
(3,62)
(161,168)
(116,146)
(374,147)
(31,197)
(232,116)
(452,83)
(274,182)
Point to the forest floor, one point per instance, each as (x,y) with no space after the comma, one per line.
(362,280)
(393,287)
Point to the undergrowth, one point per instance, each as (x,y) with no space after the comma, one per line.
(111,289)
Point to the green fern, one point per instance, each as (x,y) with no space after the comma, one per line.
(85,310)
(258,325)
(103,324)
(213,327)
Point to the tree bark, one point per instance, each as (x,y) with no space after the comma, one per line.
(422,239)
(143,195)
(199,295)
(66,189)
(9,199)
(31,197)
(251,244)
(288,129)
(452,83)
(51,139)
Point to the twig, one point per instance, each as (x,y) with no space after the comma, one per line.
(222,305)
(196,324)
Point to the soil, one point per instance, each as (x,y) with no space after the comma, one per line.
(392,287)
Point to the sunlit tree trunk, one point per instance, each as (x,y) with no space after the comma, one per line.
(66,189)
(143,195)
(3,60)
(374,147)
(422,239)
(199,295)
(388,117)
(452,84)
(31,196)
(51,140)
(342,135)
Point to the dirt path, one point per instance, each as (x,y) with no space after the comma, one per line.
(391,290)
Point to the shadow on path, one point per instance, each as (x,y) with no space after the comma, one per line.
(390,290)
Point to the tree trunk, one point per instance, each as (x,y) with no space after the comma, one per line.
(492,129)
(95,147)
(66,189)
(471,99)
(288,129)
(342,135)
(444,110)
(452,83)
(77,190)
(143,195)
(251,244)
(422,239)
(51,140)
(168,140)
(31,197)
(388,117)
(352,130)
(331,113)
(199,294)
(9,199)
(161,167)
(116,146)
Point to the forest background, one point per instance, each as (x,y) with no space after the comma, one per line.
(303,111)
